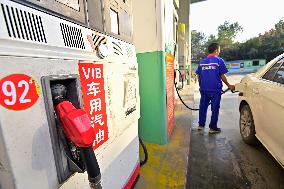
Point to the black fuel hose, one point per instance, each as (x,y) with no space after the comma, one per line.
(92,167)
(143,162)
(175,83)
(194,109)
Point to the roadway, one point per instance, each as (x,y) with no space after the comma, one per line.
(223,160)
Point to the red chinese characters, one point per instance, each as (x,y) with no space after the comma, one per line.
(170,92)
(92,83)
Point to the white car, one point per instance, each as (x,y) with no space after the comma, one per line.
(262,107)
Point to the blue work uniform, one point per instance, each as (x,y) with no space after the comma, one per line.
(209,71)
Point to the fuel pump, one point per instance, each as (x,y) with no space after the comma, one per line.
(78,130)
(46,44)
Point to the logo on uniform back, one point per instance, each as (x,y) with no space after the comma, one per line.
(211,66)
(208,67)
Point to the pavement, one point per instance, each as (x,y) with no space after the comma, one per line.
(167,164)
(223,160)
(198,160)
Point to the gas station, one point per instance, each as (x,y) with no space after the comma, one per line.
(89,88)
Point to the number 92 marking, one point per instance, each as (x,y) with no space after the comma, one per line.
(18,92)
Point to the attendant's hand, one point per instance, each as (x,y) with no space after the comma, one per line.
(231,87)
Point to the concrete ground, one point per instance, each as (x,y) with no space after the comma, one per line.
(197,160)
(167,164)
(223,160)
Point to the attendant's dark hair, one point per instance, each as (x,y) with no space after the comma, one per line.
(212,47)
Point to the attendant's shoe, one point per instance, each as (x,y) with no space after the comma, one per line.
(215,130)
(200,128)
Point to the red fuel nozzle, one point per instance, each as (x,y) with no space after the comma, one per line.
(76,124)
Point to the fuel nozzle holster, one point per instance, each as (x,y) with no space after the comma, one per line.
(77,128)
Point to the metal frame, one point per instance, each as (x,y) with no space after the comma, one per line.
(65,166)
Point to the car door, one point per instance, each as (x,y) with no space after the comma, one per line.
(270,97)
(255,99)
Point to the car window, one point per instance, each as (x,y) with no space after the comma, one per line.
(269,75)
(279,77)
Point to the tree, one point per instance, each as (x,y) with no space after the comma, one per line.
(267,45)
(273,41)
(251,49)
(227,33)
(198,41)
(212,38)
(280,26)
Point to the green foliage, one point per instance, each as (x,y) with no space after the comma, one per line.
(267,45)
(227,33)
(198,41)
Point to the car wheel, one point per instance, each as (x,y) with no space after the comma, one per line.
(247,128)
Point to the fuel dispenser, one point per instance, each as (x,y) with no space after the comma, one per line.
(69,99)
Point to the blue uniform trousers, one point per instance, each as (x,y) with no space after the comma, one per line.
(206,97)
